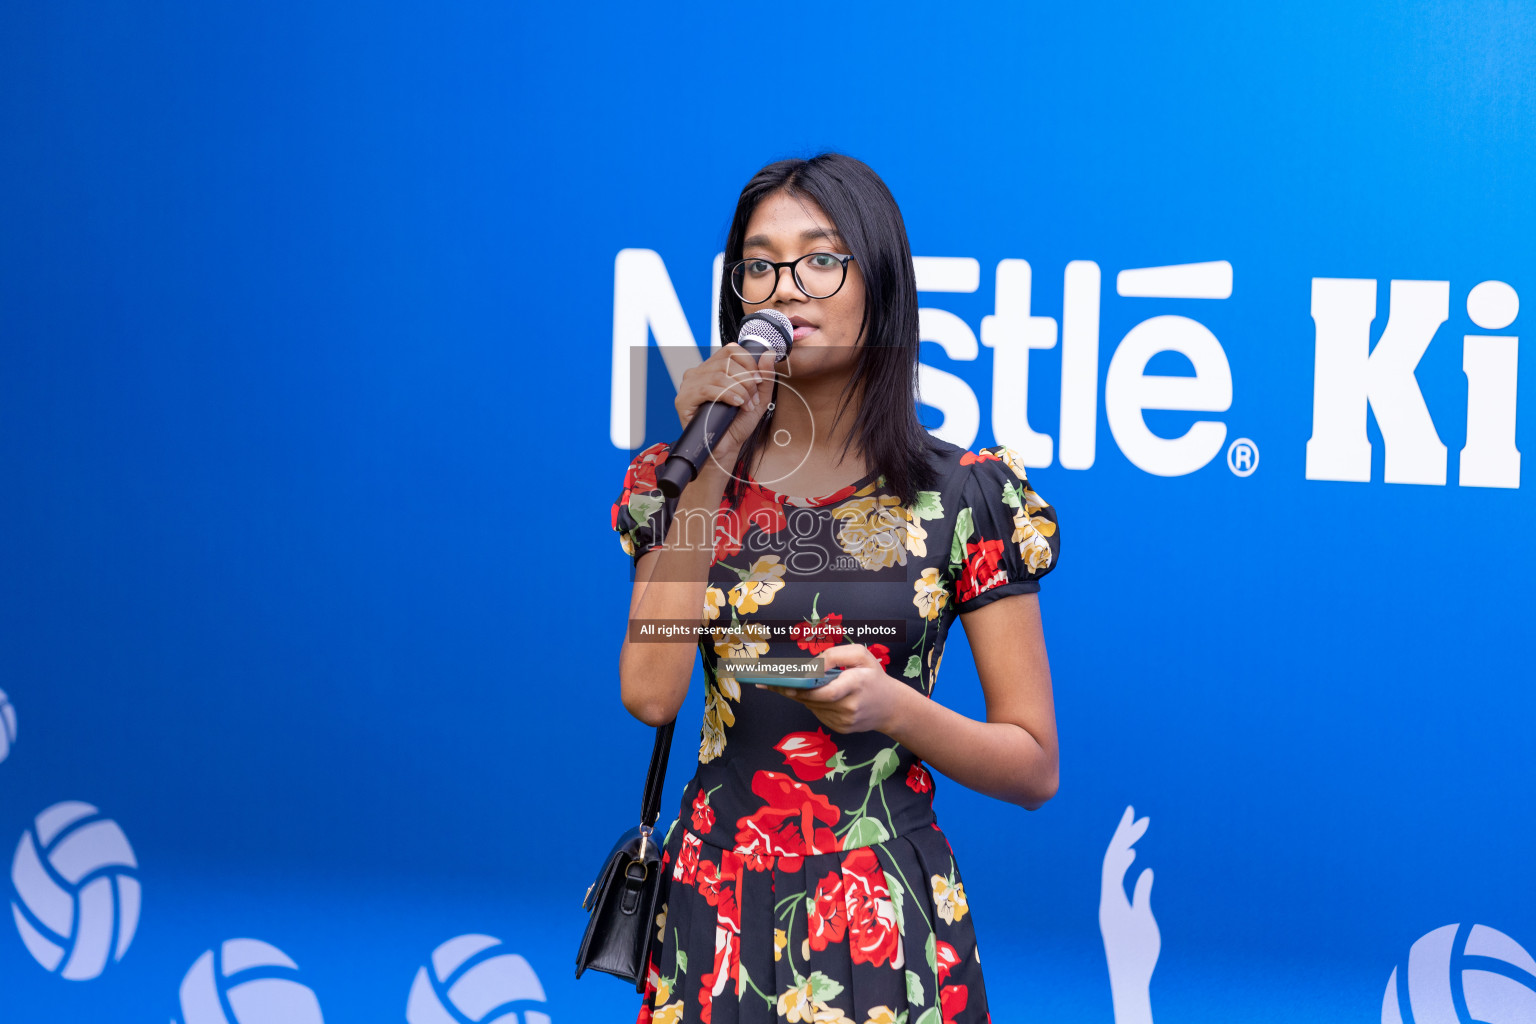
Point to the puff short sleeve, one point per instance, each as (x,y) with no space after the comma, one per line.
(634,513)
(1005,536)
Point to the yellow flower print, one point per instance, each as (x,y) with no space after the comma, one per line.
(746,640)
(795,1004)
(829,1015)
(1030,538)
(714,600)
(931,595)
(729,687)
(661,927)
(670,1014)
(916,537)
(1034,503)
(718,716)
(780,940)
(663,991)
(763,580)
(873,530)
(949,899)
(881,1015)
(1012,461)
(627,543)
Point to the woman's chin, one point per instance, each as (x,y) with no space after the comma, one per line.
(814,361)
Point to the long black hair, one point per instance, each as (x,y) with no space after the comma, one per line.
(886,428)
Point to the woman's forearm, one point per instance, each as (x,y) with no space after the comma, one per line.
(1001,759)
(654,675)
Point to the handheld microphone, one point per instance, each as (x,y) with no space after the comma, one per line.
(767,330)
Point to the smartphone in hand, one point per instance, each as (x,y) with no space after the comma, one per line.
(800,683)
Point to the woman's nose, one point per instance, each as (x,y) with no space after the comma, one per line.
(786,289)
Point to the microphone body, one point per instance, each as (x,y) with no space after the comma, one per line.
(767,330)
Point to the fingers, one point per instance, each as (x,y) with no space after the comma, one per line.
(738,362)
(1143,893)
(848,656)
(1139,829)
(714,387)
(1122,836)
(831,693)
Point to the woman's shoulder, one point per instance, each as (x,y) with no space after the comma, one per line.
(639,499)
(956,465)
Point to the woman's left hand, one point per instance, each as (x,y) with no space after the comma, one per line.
(862,699)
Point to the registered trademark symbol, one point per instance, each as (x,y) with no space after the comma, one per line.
(1243,457)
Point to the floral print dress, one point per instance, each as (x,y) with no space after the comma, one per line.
(808,880)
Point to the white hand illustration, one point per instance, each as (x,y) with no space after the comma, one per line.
(1131,939)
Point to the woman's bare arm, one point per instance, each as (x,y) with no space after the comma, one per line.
(1012,755)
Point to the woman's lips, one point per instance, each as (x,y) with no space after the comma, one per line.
(803,331)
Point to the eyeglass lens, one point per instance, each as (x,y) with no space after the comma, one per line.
(818,274)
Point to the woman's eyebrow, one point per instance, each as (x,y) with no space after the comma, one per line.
(808,235)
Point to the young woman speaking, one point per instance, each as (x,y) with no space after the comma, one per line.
(808,880)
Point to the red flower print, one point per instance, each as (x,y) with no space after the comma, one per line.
(793,820)
(982,569)
(727,531)
(873,937)
(764,862)
(816,637)
(718,887)
(828,914)
(806,754)
(837,495)
(952,999)
(883,653)
(918,780)
(703,814)
(641,475)
(948,959)
(758,506)
(727,967)
(687,859)
(762,507)
(971,458)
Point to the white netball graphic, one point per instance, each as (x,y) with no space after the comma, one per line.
(1483,967)
(254,980)
(472,981)
(7,725)
(77,900)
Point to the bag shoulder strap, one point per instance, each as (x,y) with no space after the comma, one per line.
(656,775)
(650,805)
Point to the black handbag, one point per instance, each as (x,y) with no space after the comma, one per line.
(626,897)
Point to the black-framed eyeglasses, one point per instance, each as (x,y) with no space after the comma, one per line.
(818,274)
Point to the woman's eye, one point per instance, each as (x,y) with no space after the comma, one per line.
(758,267)
(821,260)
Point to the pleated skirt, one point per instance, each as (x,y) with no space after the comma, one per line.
(881,934)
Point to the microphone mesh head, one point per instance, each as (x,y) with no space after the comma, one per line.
(769,328)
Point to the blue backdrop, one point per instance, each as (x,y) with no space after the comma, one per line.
(307,354)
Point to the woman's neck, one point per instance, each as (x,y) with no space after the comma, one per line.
(804,450)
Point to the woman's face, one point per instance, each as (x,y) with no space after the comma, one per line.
(784,227)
